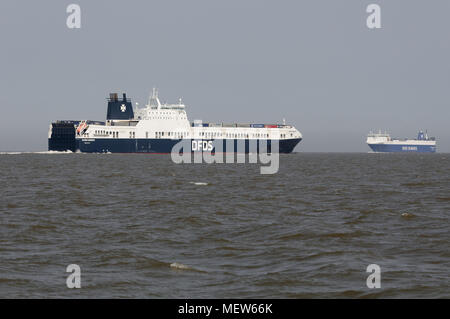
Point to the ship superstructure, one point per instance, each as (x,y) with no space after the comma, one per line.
(382,142)
(157,127)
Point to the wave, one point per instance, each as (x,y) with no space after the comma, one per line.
(199,183)
(53,152)
(180,266)
(40,152)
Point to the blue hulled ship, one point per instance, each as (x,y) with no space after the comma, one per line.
(383,143)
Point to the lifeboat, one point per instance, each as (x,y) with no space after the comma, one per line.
(82,127)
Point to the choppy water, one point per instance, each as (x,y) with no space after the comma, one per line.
(142,226)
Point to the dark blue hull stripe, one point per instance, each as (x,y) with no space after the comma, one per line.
(165,145)
(388,148)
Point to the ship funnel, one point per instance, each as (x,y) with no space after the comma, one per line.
(119,110)
(421,136)
(113,96)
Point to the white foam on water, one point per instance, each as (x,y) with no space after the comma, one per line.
(41,152)
(199,183)
(179,266)
(53,152)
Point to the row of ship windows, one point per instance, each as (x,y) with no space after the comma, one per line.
(185,134)
(238,135)
(169,134)
(113,133)
(165,113)
(210,135)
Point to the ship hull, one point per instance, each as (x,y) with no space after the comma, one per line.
(402,148)
(164,146)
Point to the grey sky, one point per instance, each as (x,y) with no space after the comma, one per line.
(312,62)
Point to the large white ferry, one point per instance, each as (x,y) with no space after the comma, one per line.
(157,127)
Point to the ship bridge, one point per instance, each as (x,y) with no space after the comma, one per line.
(154,109)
